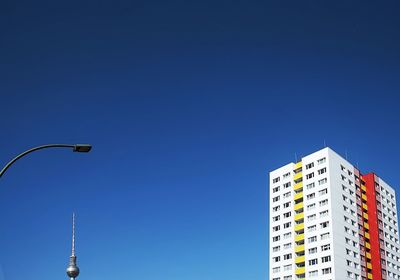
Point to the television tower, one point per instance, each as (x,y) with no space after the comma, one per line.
(73,269)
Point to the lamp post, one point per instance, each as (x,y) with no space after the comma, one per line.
(80,148)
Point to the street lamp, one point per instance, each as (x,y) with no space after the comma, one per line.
(80,148)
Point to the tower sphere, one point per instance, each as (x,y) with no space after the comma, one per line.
(73,269)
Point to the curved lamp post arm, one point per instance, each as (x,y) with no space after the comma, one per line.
(81,148)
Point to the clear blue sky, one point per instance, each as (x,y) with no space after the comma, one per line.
(189,105)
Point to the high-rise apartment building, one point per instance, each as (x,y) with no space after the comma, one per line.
(328,221)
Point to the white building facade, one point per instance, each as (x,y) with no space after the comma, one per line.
(329,222)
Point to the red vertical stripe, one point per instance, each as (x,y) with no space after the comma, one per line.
(373,226)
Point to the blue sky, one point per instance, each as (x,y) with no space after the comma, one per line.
(188,105)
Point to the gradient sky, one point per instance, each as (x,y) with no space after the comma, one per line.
(189,105)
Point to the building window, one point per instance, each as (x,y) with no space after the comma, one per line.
(286,195)
(312,239)
(276,180)
(310,196)
(276,238)
(323,202)
(324,236)
(287,225)
(287,267)
(310,186)
(313,273)
(323,213)
(326,259)
(323,191)
(322,171)
(312,250)
(310,165)
(311,217)
(287,235)
(287,246)
(322,181)
(311,206)
(276,228)
(326,247)
(313,262)
(324,224)
(287,256)
(312,228)
(286,185)
(326,271)
(309,176)
(321,161)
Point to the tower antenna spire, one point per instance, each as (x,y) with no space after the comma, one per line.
(73,235)
(73,269)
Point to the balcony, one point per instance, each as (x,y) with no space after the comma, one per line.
(367,235)
(299,216)
(364,197)
(365,206)
(298,186)
(299,237)
(300,270)
(363,188)
(369,276)
(300,259)
(299,227)
(298,249)
(366,225)
(298,176)
(298,195)
(298,206)
(367,245)
(369,266)
(368,255)
(297,165)
(365,215)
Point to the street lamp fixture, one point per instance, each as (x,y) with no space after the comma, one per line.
(80,148)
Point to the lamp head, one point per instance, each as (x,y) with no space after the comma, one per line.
(82,148)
